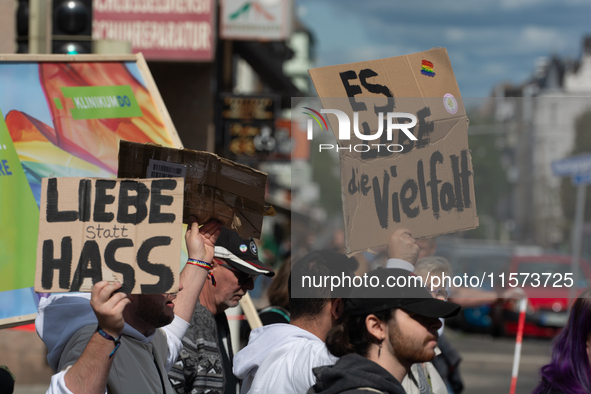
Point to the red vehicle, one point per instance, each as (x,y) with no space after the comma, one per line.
(545,280)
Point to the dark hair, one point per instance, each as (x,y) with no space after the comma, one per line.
(569,370)
(351,336)
(6,380)
(278,293)
(316,264)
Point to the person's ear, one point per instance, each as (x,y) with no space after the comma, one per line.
(337,307)
(376,327)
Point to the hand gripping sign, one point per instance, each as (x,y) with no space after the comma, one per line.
(407,161)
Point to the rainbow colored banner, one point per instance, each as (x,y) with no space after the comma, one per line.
(60,119)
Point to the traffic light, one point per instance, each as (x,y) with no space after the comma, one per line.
(22,26)
(72,26)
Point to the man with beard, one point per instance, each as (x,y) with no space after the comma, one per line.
(279,358)
(205,363)
(381,337)
(126,352)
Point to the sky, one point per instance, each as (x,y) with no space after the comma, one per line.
(488,41)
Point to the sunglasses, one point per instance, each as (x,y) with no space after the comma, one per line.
(242,277)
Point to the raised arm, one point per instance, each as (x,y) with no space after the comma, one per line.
(90,372)
(200,244)
(403,250)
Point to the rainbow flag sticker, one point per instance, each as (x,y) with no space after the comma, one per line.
(427,68)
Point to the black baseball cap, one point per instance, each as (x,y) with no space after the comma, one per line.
(240,253)
(410,295)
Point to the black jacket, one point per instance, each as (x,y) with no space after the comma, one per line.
(351,374)
(447,364)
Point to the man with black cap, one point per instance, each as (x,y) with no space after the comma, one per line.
(205,363)
(279,358)
(386,330)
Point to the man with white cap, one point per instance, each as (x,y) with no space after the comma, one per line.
(205,363)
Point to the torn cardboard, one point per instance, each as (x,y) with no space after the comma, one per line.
(215,188)
(126,230)
(428,187)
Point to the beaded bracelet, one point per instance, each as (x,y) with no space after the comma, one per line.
(204,265)
(110,338)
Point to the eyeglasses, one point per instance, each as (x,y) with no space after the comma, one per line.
(242,277)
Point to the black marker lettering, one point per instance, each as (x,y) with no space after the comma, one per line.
(436,157)
(425,128)
(448,200)
(395,208)
(352,90)
(89,266)
(53,215)
(377,89)
(84,193)
(455,168)
(158,200)
(364,181)
(165,273)
(465,176)
(406,201)
(102,199)
(125,269)
(421,181)
(138,201)
(352,187)
(63,264)
(381,199)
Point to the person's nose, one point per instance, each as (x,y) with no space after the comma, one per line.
(249,283)
(436,324)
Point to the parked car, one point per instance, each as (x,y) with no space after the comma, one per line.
(476,257)
(547,308)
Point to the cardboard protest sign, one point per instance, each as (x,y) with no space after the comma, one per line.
(64,117)
(215,188)
(126,230)
(402,137)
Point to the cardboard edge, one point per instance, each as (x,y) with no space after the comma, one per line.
(17,321)
(355,252)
